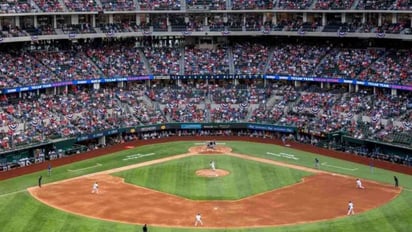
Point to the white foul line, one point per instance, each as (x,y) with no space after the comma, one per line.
(80,169)
(11,193)
(333,166)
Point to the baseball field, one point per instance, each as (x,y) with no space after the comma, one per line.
(255,187)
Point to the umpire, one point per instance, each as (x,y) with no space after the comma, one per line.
(144,228)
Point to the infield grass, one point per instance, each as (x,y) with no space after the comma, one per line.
(178,177)
(20,212)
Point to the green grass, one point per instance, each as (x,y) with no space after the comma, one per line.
(20,212)
(171,176)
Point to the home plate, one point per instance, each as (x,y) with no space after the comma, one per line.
(215,208)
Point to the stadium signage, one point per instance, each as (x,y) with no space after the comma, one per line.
(382,85)
(222,76)
(75,82)
(191,126)
(270,128)
(339,80)
(149,128)
(97,135)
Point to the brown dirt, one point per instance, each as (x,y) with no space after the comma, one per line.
(219,149)
(212,173)
(121,202)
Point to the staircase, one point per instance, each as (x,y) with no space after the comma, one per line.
(230,60)
(182,5)
(354,5)
(313,4)
(229,4)
(270,57)
(145,61)
(182,61)
(99,4)
(65,9)
(35,6)
(271,101)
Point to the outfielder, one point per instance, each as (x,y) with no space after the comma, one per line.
(351,210)
(359,184)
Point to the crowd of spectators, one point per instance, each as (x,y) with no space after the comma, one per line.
(334,4)
(249,58)
(79,111)
(228,113)
(296,60)
(15,6)
(118,60)
(347,63)
(163,60)
(159,4)
(294,5)
(48,64)
(68,65)
(403,5)
(81,5)
(252,4)
(318,112)
(118,5)
(391,68)
(19,6)
(186,113)
(19,68)
(49,5)
(206,61)
(184,94)
(208,4)
(315,111)
(375,4)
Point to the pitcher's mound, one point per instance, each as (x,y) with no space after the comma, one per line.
(211,173)
(205,150)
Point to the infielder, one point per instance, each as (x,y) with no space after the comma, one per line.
(95,188)
(198,219)
(359,184)
(351,210)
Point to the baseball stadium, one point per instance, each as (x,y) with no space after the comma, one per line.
(205,115)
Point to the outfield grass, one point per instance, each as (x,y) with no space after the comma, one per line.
(20,212)
(178,177)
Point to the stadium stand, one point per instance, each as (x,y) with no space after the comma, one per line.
(302,65)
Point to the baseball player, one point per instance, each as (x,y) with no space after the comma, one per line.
(95,188)
(395,178)
(198,219)
(40,180)
(317,166)
(212,165)
(351,210)
(359,184)
(49,169)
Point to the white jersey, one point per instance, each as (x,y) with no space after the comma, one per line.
(359,183)
(350,205)
(198,217)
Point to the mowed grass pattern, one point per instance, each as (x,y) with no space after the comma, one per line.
(19,212)
(246,177)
